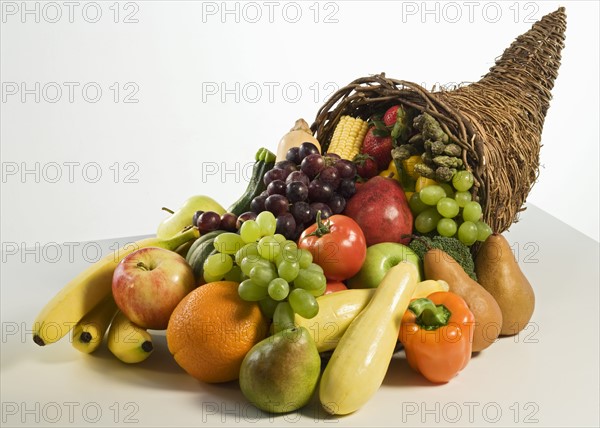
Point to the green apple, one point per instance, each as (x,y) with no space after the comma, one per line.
(380,258)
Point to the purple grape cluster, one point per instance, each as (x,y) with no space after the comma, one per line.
(210,220)
(303,184)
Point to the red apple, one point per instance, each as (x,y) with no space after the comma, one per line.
(380,208)
(149,283)
(333,286)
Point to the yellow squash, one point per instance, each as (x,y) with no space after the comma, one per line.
(337,310)
(361,359)
(299,134)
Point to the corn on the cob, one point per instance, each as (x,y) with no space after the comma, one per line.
(348,137)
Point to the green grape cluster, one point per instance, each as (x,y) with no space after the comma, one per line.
(449,210)
(270,269)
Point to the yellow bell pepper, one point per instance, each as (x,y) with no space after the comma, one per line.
(423,182)
(408,165)
(391,171)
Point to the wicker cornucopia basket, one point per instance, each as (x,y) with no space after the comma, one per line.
(497,121)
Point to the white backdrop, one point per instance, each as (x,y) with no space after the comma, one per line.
(111,111)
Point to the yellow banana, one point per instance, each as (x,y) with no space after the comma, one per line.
(89,331)
(127,341)
(337,310)
(89,288)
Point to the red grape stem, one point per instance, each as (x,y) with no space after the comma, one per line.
(322,228)
(170,211)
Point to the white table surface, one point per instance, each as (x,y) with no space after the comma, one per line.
(546,376)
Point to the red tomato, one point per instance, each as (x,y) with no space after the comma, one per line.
(338,246)
(333,286)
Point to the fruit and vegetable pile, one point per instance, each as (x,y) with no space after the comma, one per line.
(325,267)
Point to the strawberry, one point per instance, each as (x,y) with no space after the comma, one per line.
(395,119)
(366,166)
(378,144)
(390,116)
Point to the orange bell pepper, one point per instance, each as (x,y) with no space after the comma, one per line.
(437,334)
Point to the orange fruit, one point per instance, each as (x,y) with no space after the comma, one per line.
(212,329)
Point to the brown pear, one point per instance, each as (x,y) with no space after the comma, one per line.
(488,317)
(499,273)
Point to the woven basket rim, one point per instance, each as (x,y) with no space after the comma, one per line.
(497,121)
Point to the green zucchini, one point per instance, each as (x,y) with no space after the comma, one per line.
(265,160)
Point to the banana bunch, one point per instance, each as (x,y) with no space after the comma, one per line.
(86,306)
(128,342)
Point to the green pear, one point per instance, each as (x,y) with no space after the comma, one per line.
(280,373)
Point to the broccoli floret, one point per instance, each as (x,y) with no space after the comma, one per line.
(452,246)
